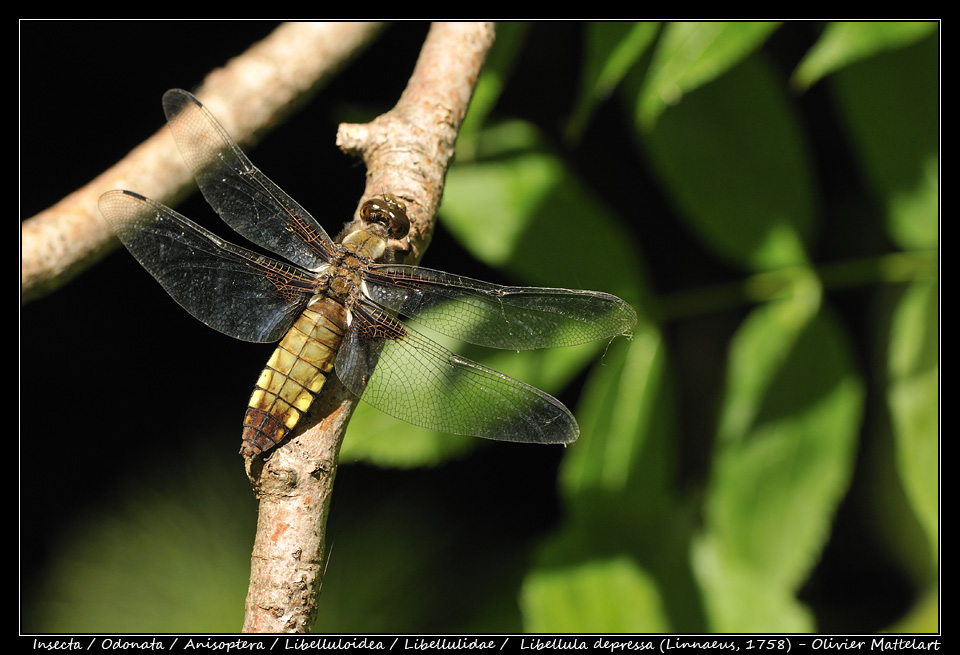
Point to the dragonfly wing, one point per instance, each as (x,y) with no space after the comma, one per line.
(411,377)
(243,196)
(514,318)
(236,291)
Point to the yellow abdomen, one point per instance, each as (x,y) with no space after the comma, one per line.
(294,374)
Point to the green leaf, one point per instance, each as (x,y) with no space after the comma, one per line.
(913,396)
(786,447)
(497,69)
(759,352)
(733,160)
(610,49)
(622,411)
(522,210)
(598,595)
(619,505)
(843,43)
(890,104)
(738,598)
(380,439)
(924,616)
(691,54)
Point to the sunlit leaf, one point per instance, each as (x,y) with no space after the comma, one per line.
(525,212)
(738,598)
(623,407)
(689,55)
(785,456)
(619,506)
(886,102)
(510,37)
(598,595)
(914,396)
(380,439)
(924,616)
(843,43)
(733,160)
(611,48)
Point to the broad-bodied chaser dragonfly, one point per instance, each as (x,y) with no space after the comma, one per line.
(336,306)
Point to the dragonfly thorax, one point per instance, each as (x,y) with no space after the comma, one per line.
(369,243)
(343,280)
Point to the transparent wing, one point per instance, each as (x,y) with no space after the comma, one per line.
(231,289)
(244,197)
(410,377)
(514,318)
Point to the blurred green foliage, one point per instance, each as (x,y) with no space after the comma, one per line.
(678,509)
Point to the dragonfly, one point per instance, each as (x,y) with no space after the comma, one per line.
(338,306)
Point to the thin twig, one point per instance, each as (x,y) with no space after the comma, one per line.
(250,94)
(407,152)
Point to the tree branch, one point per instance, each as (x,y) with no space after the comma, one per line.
(250,94)
(407,152)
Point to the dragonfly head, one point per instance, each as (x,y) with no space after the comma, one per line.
(389,212)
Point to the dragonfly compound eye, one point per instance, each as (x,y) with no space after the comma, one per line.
(389,212)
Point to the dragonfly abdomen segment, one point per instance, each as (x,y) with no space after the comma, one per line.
(294,374)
